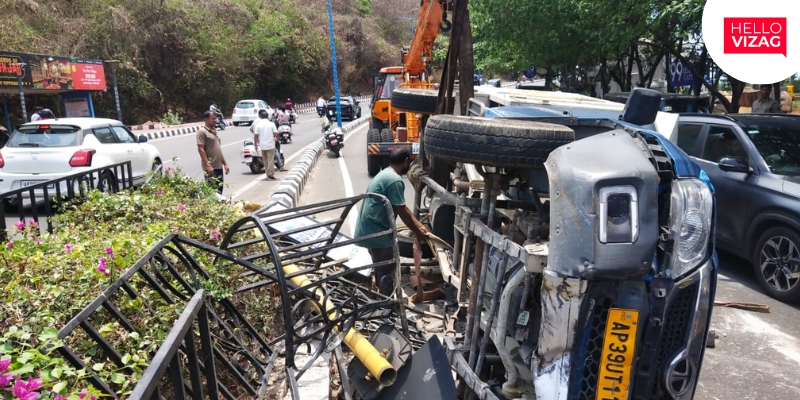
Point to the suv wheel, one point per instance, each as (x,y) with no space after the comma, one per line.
(777,263)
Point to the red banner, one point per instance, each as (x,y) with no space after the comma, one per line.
(755,36)
(88,76)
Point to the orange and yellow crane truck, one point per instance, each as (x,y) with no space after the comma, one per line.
(403,94)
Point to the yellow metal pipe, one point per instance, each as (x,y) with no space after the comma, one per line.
(372,359)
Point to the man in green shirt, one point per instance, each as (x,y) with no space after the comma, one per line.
(373,217)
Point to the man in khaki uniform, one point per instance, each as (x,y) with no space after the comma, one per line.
(210,149)
(766,104)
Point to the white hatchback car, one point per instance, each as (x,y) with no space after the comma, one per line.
(53,148)
(246,111)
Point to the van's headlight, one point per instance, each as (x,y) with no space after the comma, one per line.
(691,206)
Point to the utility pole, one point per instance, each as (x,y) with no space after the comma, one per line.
(335,71)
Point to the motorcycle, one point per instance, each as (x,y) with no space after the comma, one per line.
(321,110)
(285,134)
(253,159)
(220,123)
(334,140)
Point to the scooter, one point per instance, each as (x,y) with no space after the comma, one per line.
(334,140)
(220,123)
(285,134)
(320,111)
(293,117)
(253,159)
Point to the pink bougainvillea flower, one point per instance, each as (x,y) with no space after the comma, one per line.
(160,191)
(216,235)
(33,224)
(20,225)
(5,379)
(33,384)
(83,393)
(181,207)
(102,266)
(9,245)
(110,250)
(67,248)
(23,390)
(38,242)
(4,363)
(59,397)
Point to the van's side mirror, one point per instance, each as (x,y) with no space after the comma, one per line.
(730,164)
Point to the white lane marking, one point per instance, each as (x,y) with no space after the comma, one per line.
(291,158)
(348,192)
(778,340)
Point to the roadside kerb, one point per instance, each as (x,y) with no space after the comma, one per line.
(292,184)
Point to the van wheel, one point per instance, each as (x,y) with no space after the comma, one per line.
(415,100)
(776,262)
(491,142)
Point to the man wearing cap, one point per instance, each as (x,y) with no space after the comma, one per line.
(766,104)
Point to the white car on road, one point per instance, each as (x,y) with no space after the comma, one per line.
(246,111)
(51,149)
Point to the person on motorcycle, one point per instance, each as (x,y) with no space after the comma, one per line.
(215,109)
(289,106)
(282,117)
(321,106)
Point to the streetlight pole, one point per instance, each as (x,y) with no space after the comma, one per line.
(113,64)
(335,72)
(21,92)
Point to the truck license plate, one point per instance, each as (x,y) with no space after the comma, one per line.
(619,343)
(415,148)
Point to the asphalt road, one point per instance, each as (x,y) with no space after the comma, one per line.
(241,184)
(756,354)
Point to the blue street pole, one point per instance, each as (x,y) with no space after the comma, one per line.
(335,72)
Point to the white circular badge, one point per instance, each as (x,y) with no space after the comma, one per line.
(755,43)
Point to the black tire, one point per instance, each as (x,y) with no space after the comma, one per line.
(776,263)
(336,153)
(387,136)
(415,100)
(494,142)
(255,167)
(106,183)
(373,161)
(235,124)
(405,245)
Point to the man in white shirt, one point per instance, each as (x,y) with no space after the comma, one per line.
(37,114)
(266,134)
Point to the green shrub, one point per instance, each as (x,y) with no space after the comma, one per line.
(172,118)
(48,279)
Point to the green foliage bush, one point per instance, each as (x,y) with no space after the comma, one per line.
(172,118)
(49,278)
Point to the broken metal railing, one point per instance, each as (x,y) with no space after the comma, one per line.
(167,278)
(323,280)
(182,337)
(59,190)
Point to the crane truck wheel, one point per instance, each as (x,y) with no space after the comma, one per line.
(494,142)
(373,160)
(415,100)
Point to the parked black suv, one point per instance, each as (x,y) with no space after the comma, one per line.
(753,161)
(351,109)
(671,102)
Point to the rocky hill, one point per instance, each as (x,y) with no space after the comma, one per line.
(181,54)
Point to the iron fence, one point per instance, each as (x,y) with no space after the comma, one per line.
(320,275)
(112,178)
